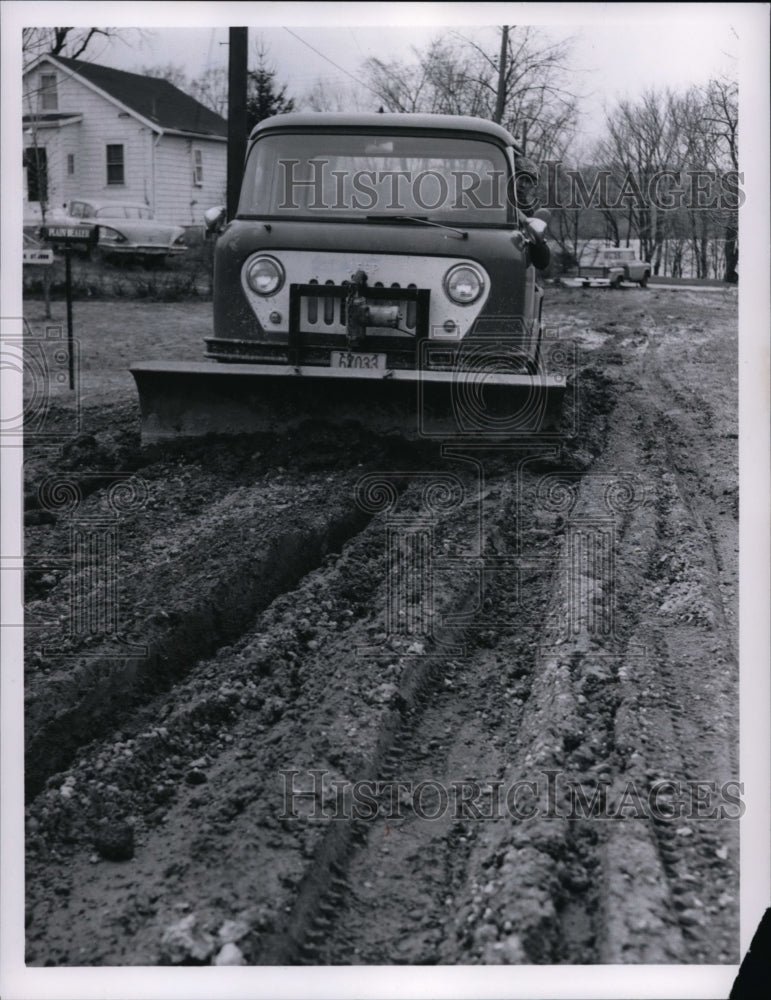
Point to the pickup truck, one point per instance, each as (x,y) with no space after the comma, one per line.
(380,268)
(612,265)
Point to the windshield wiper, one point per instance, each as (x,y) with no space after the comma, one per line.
(417,218)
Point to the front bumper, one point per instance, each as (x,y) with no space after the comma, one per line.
(191,399)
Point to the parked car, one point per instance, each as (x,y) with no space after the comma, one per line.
(612,265)
(126,229)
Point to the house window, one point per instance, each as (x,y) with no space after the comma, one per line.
(70,164)
(49,100)
(198,167)
(115,174)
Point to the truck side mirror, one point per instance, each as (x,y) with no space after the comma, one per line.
(213,219)
(537,229)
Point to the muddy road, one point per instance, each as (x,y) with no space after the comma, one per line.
(330,700)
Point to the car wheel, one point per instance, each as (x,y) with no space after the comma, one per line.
(616,282)
(644,280)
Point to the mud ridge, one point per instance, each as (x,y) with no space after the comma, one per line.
(82,705)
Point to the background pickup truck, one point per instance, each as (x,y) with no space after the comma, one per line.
(611,266)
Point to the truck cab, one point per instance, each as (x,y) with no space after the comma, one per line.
(380,268)
(378,241)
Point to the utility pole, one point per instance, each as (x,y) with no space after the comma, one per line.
(236,114)
(500,97)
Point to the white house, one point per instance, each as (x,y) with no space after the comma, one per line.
(93,131)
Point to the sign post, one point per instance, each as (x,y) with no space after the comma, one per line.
(69,235)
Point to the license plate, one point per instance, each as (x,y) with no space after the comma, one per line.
(352,359)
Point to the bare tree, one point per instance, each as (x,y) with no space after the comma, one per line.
(323,96)
(685,135)
(540,100)
(574,222)
(721,118)
(404,87)
(211,89)
(534,96)
(74,43)
(265,95)
(644,138)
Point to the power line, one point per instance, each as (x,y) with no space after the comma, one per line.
(332,62)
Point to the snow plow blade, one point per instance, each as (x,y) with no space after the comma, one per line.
(181,399)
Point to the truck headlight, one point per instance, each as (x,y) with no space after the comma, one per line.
(463,284)
(264,275)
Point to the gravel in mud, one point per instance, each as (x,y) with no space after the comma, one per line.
(329,700)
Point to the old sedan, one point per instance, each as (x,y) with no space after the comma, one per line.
(127,229)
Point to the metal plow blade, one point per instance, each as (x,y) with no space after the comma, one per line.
(179,399)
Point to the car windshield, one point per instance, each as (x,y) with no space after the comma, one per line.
(366,175)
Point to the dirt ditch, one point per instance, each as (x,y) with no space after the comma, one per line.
(349,703)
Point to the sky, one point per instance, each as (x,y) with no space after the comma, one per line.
(617,49)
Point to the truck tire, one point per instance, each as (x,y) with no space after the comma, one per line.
(644,280)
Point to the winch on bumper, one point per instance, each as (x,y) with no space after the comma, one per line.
(328,323)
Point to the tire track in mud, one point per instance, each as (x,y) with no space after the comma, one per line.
(222,560)
(279,661)
(394,873)
(555,690)
(374,914)
(282,645)
(689,626)
(613,891)
(528,891)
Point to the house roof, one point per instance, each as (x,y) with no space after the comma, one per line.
(159,101)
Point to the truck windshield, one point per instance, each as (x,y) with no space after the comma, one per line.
(357,175)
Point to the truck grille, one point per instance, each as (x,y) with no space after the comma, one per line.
(317,319)
(327,313)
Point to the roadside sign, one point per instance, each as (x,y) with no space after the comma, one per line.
(73,234)
(37,256)
(69,235)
